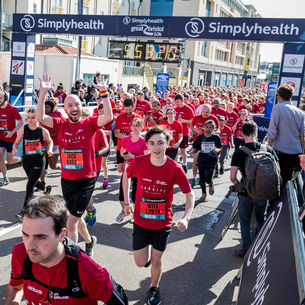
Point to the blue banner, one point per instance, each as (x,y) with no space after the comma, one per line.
(257,29)
(162,82)
(271,94)
(262,124)
(293,68)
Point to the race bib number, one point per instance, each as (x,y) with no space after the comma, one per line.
(72,158)
(152,208)
(224,141)
(32,147)
(207,147)
(3,124)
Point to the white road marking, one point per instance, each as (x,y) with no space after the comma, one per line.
(10,228)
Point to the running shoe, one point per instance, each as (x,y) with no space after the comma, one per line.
(5,181)
(184,168)
(120,217)
(211,190)
(48,189)
(194,182)
(105,184)
(90,218)
(89,247)
(154,296)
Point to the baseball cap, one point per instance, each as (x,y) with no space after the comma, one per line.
(221,118)
(216,101)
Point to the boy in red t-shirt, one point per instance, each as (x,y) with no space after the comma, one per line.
(157,174)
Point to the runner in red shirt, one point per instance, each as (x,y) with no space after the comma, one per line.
(45,254)
(231,116)
(157,174)
(60,94)
(141,106)
(184,115)
(154,115)
(239,138)
(175,128)
(216,110)
(226,142)
(76,146)
(122,129)
(197,126)
(8,133)
(118,110)
(164,99)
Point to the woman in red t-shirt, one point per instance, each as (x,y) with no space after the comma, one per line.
(239,138)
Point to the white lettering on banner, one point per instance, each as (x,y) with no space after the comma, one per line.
(263,129)
(283,29)
(72,24)
(261,276)
(148,30)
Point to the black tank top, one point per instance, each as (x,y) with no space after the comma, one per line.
(32,141)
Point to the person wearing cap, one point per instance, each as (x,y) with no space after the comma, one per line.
(226,142)
(60,93)
(216,110)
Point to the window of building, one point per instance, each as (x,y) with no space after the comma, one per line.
(208,9)
(58,3)
(85,9)
(239,60)
(221,55)
(34,7)
(161,7)
(223,14)
(203,48)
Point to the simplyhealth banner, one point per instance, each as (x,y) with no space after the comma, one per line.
(258,29)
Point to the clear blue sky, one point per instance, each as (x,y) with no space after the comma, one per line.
(276,9)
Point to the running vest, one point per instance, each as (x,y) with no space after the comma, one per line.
(32,141)
(74,285)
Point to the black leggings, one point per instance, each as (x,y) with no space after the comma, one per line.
(33,166)
(205,175)
(134,182)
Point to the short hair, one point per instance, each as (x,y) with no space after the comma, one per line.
(285,91)
(170,109)
(178,97)
(249,128)
(158,129)
(47,206)
(156,102)
(138,120)
(206,106)
(210,122)
(128,103)
(140,93)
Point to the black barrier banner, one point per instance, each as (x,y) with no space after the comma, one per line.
(258,29)
(269,271)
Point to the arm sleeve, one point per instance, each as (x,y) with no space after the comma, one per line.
(196,144)
(272,130)
(18,257)
(131,169)
(57,122)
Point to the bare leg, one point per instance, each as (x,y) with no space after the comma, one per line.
(2,163)
(156,266)
(11,159)
(141,256)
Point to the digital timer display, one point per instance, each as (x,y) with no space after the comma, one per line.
(145,51)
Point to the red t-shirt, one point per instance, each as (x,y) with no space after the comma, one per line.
(153,206)
(95,281)
(242,106)
(175,129)
(8,117)
(60,96)
(192,106)
(185,113)
(218,112)
(225,136)
(142,108)
(232,118)
(255,108)
(52,132)
(262,107)
(199,121)
(99,142)
(239,131)
(162,102)
(155,116)
(122,124)
(76,147)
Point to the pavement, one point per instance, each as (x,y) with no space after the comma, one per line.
(198,267)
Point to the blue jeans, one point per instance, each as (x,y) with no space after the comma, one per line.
(245,207)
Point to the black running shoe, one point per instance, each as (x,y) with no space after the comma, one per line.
(89,247)
(154,296)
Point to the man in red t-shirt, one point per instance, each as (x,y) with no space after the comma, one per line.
(122,129)
(77,154)
(153,117)
(231,116)
(157,174)
(141,106)
(40,264)
(216,110)
(8,133)
(184,115)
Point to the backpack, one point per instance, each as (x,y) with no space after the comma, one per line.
(74,284)
(263,179)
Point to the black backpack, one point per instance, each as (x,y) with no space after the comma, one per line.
(263,179)
(74,285)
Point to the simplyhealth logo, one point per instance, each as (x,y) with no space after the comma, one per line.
(27,23)
(194,27)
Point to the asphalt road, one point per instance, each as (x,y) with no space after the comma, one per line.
(198,267)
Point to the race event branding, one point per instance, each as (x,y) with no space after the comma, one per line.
(263,29)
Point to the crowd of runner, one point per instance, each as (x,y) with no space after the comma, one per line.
(152,135)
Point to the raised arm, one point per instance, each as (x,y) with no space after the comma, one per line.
(108,115)
(45,86)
